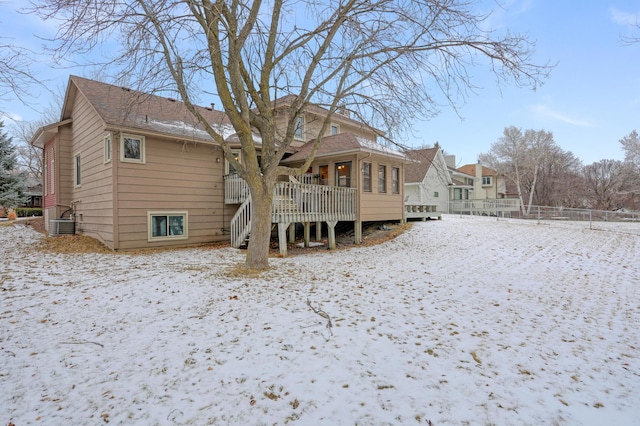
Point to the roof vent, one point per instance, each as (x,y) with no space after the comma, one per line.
(62,227)
(171,100)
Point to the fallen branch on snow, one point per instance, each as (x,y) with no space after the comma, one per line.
(324,315)
(84,342)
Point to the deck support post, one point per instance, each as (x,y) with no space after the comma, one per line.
(331,228)
(292,232)
(307,233)
(282,237)
(357,232)
(318,231)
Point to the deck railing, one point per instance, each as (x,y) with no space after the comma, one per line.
(293,202)
(485,206)
(300,202)
(236,189)
(421,211)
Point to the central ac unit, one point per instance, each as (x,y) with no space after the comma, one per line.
(62,227)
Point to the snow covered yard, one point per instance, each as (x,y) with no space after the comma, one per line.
(461,321)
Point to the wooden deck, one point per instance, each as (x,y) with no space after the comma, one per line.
(421,211)
(293,202)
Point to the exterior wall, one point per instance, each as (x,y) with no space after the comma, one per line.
(176,176)
(313,125)
(501,186)
(92,199)
(64,176)
(372,206)
(497,189)
(434,182)
(49,193)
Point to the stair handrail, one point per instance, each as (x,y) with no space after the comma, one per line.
(241,223)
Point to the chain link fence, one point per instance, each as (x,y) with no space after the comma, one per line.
(621,221)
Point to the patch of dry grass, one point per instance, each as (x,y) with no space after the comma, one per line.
(72,244)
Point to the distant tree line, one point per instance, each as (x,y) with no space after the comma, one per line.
(539,172)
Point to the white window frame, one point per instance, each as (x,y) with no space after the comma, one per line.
(395,180)
(107,149)
(237,154)
(299,130)
(367,179)
(486,180)
(140,160)
(337,129)
(382,178)
(77,170)
(168,213)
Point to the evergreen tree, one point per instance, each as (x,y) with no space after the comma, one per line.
(12,189)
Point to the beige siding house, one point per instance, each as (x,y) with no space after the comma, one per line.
(134,170)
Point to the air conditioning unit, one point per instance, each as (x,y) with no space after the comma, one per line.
(62,227)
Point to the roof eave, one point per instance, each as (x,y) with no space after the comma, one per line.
(43,134)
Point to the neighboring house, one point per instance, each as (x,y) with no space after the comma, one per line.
(427,179)
(487,183)
(480,190)
(33,192)
(135,170)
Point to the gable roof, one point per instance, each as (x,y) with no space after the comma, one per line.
(470,169)
(423,159)
(122,108)
(343,143)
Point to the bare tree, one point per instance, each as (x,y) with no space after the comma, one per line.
(558,179)
(379,59)
(30,158)
(608,184)
(520,157)
(15,76)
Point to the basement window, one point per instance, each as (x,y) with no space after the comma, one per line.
(167,226)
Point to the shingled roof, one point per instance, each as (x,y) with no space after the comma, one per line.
(470,169)
(423,158)
(127,109)
(342,143)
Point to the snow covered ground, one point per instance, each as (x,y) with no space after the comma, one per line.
(461,321)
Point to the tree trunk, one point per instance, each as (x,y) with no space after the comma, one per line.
(261,206)
(532,190)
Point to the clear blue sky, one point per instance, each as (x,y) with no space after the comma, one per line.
(590,102)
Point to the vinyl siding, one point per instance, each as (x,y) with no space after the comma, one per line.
(313,125)
(177,176)
(372,206)
(375,206)
(93,199)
